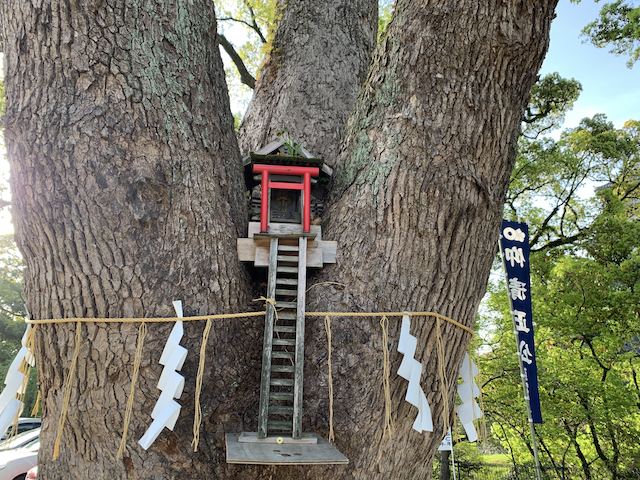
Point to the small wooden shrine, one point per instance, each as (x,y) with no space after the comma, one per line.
(287,243)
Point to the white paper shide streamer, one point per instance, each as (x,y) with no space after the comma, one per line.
(411,370)
(171,384)
(10,406)
(468,391)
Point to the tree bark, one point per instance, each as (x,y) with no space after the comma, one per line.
(128,195)
(445,465)
(311,79)
(416,207)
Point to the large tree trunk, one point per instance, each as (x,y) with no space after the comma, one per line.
(416,208)
(128,195)
(311,79)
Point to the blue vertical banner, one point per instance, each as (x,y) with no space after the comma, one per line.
(514,245)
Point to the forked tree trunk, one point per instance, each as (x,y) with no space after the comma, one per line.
(312,77)
(128,195)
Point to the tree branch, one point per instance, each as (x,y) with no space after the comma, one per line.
(253,26)
(245,76)
(559,242)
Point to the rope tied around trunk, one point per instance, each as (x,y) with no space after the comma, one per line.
(197,416)
(386,370)
(327,327)
(444,384)
(67,391)
(142,332)
(384,323)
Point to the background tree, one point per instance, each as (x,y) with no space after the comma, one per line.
(585,294)
(12,315)
(617,27)
(128,194)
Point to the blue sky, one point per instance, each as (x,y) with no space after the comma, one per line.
(608,85)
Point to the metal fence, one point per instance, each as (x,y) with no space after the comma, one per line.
(485,471)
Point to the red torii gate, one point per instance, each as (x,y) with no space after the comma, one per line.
(305,186)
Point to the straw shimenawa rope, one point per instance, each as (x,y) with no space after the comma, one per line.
(147,320)
(327,327)
(386,368)
(209,318)
(197,417)
(67,391)
(246,314)
(444,384)
(36,407)
(142,332)
(325,283)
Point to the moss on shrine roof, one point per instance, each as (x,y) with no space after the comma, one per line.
(286,160)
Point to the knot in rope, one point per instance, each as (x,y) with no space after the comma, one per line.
(270,301)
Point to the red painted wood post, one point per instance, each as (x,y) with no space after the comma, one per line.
(306,207)
(264,202)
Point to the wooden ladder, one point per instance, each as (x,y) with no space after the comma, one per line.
(283,350)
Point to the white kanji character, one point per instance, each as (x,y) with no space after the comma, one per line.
(514,235)
(514,255)
(516,287)
(525,352)
(520,320)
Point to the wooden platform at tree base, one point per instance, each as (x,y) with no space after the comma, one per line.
(252,437)
(258,453)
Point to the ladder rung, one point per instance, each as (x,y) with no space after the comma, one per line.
(288,258)
(288,248)
(284,341)
(289,293)
(282,355)
(286,270)
(287,316)
(282,368)
(284,329)
(287,304)
(278,410)
(274,425)
(282,382)
(287,281)
(287,397)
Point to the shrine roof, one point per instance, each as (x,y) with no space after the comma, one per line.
(276,153)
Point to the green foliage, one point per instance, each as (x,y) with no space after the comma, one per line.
(12,312)
(617,27)
(550,98)
(548,176)
(586,290)
(257,21)
(12,315)
(385,11)
(237,118)
(290,144)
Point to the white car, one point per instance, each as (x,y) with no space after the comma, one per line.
(14,464)
(20,440)
(24,424)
